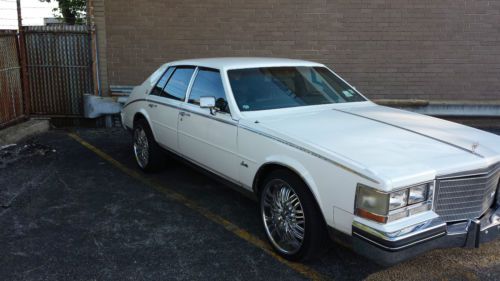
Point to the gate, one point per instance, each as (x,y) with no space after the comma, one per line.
(59,64)
(11,100)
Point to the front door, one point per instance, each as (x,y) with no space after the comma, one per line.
(205,138)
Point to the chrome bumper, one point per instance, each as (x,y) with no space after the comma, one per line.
(392,248)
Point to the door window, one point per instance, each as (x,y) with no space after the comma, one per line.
(208,83)
(177,84)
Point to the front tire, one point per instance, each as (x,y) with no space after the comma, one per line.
(292,220)
(148,154)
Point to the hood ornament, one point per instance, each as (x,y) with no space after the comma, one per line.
(474,146)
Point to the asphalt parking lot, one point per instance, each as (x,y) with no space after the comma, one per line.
(75,207)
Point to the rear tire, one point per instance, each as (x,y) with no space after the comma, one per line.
(147,152)
(292,220)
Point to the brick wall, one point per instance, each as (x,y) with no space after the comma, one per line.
(389,49)
(100,24)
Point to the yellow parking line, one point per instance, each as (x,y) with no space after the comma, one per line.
(243,234)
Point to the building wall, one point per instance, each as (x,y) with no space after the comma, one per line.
(389,49)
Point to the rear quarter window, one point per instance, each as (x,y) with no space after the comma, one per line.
(158,87)
(153,78)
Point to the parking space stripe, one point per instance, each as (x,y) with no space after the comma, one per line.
(229,226)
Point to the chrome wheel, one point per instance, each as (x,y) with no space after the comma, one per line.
(283,216)
(141,147)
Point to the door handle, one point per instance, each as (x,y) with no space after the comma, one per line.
(182,113)
(152,105)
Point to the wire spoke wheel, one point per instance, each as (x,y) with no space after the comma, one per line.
(141,147)
(283,216)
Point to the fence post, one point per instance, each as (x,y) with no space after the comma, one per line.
(22,57)
(93,43)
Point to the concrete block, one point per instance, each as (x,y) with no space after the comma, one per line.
(26,129)
(94,106)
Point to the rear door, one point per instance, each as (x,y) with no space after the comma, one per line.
(164,103)
(205,138)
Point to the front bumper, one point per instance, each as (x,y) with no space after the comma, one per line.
(390,249)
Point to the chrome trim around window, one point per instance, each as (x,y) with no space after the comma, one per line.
(190,85)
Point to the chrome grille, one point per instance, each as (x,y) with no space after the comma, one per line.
(463,198)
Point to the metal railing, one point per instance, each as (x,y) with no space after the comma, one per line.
(59,63)
(11,97)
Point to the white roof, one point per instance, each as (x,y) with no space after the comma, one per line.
(243,62)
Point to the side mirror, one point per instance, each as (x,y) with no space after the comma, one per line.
(207,102)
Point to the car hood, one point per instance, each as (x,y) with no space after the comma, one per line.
(397,146)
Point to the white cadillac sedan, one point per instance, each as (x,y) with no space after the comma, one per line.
(321,158)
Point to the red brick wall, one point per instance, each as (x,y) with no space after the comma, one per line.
(389,49)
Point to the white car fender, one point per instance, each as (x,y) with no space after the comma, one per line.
(144,113)
(299,169)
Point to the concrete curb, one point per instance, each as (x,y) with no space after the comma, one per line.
(23,130)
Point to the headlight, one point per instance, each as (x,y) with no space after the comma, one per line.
(398,199)
(418,194)
(385,207)
(372,200)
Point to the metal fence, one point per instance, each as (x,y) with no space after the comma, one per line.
(59,64)
(11,100)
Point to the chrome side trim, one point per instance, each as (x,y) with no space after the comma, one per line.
(165,104)
(308,152)
(229,122)
(412,131)
(131,102)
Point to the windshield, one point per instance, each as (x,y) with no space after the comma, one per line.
(281,87)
